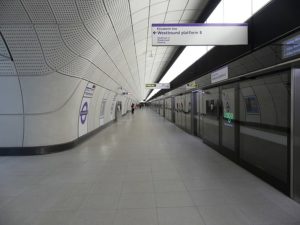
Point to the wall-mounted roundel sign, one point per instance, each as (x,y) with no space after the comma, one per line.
(83,112)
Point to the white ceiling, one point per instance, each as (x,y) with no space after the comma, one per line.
(107,42)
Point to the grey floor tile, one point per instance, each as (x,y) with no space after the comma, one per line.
(94,217)
(278,223)
(138,187)
(5,200)
(130,168)
(166,175)
(100,202)
(11,190)
(68,203)
(223,215)
(173,199)
(138,176)
(108,187)
(179,216)
(136,217)
(11,217)
(266,214)
(245,196)
(138,168)
(32,202)
(169,185)
(54,218)
(203,184)
(209,197)
(137,201)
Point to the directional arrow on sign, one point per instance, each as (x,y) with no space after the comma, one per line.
(154,32)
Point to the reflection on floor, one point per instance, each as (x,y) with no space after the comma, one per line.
(142,170)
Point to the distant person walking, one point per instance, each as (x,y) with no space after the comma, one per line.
(132,108)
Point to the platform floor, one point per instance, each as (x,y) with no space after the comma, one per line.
(142,170)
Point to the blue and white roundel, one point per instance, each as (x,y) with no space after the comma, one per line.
(83,113)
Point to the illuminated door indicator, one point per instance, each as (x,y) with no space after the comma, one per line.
(229,116)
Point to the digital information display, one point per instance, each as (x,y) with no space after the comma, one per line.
(252,105)
(291,47)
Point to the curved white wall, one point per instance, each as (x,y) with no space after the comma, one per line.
(56,54)
(59,46)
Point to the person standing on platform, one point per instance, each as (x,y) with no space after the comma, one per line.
(132,108)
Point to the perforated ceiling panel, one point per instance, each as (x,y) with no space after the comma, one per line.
(107,42)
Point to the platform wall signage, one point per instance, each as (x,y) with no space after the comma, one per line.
(291,47)
(112,107)
(199,34)
(219,75)
(102,111)
(158,86)
(84,108)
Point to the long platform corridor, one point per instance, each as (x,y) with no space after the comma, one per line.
(142,170)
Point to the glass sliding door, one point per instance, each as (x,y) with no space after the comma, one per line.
(229,118)
(211,118)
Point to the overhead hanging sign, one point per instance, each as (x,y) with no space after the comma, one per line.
(191,85)
(199,34)
(219,75)
(158,86)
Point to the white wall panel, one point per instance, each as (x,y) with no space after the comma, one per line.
(47,93)
(25,49)
(141,25)
(63,44)
(97,76)
(78,67)
(175,5)
(104,62)
(77,38)
(94,113)
(109,97)
(103,107)
(140,36)
(140,15)
(7,68)
(11,11)
(65,11)
(158,9)
(137,5)
(56,52)
(10,96)
(113,106)
(39,11)
(93,10)
(92,53)
(102,30)
(124,105)
(154,2)
(55,128)
(11,130)
(3,50)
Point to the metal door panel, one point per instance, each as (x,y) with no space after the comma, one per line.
(188,119)
(211,116)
